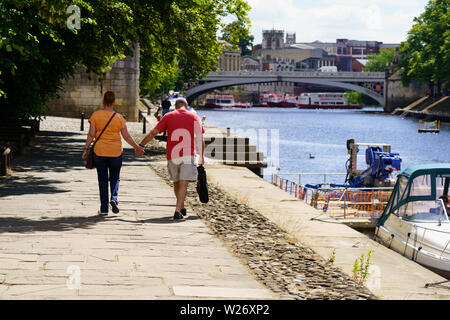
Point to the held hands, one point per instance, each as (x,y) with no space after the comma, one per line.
(85,154)
(201,161)
(139,151)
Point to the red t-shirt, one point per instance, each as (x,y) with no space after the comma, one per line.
(182,126)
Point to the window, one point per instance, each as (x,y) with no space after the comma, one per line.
(421,186)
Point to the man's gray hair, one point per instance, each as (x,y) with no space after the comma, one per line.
(182,101)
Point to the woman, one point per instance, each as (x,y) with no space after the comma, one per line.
(108,151)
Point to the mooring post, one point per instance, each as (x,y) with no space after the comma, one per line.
(82,122)
(144,124)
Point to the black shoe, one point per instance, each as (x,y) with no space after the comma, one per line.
(114,206)
(177,216)
(183,212)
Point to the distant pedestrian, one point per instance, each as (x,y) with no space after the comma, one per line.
(184,131)
(108,150)
(165,104)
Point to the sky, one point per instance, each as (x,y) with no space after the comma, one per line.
(387,21)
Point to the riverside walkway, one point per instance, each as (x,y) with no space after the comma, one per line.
(54,246)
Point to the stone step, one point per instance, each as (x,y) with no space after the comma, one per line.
(226,140)
(218,147)
(255,156)
(247,164)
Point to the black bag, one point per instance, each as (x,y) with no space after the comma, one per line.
(202,185)
(90,157)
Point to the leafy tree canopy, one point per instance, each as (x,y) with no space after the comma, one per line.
(238,34)
(378,62)
(177,40)
(425,55)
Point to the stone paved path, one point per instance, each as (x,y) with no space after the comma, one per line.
(54,246)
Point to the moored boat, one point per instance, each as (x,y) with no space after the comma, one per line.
(243,104)
(415,222)
(325,100)
(289,101)
(274,100)
(224,101)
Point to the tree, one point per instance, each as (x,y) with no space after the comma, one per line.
(379,62)
(355,97)
(238,34)
(425,55)
(177,39)
(179,43)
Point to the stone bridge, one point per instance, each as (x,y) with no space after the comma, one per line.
(372,84)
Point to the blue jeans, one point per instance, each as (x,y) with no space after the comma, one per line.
(108,168)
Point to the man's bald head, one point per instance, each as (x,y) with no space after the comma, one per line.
(181,102)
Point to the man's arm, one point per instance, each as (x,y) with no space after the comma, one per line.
(149,137)
(138,150)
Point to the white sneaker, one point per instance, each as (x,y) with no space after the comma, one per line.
(103,214)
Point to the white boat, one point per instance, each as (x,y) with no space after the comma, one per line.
(325,100)
(223,101)
(416,222)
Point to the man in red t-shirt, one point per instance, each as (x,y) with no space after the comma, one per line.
(184,130)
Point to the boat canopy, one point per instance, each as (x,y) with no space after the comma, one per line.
(417,193)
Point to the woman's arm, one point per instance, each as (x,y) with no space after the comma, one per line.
(138,150)
(89,139)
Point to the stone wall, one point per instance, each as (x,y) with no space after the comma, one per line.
(399,96)
(84,92)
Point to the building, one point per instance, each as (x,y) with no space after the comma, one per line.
(250,63)
(230,59)
(273,39)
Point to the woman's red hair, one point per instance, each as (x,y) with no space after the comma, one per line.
(109,98)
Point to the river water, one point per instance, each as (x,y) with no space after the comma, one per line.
(315,140)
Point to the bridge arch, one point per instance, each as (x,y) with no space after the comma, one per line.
(198,90)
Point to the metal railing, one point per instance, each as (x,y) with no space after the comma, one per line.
(301,174)
(337,202)
(421,242)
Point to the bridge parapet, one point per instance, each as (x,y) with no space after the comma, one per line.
(296,74)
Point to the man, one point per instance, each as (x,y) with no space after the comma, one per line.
(165,105)
(184,130)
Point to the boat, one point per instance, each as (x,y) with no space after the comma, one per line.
(415,221)
(224,101)
(243,104)
(325,100)
(274,100)
(263,99)
(289,101)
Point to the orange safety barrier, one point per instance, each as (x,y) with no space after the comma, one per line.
(339,203)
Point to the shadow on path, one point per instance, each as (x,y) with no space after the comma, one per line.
(23,225)
(160,220)
(51,152)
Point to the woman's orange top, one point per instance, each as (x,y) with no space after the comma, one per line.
(110,143)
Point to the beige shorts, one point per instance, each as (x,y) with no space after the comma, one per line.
(182,171)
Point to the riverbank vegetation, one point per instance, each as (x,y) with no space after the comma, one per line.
(43,41)
(425,55)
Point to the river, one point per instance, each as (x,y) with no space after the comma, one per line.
(315,140)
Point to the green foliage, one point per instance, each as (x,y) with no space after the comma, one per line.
(380,61)
(355,97)
(361,267)
(238,34)
(179,43)
(425,55)
(38,51)
(177,39)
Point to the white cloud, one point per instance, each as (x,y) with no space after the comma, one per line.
(326,20)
